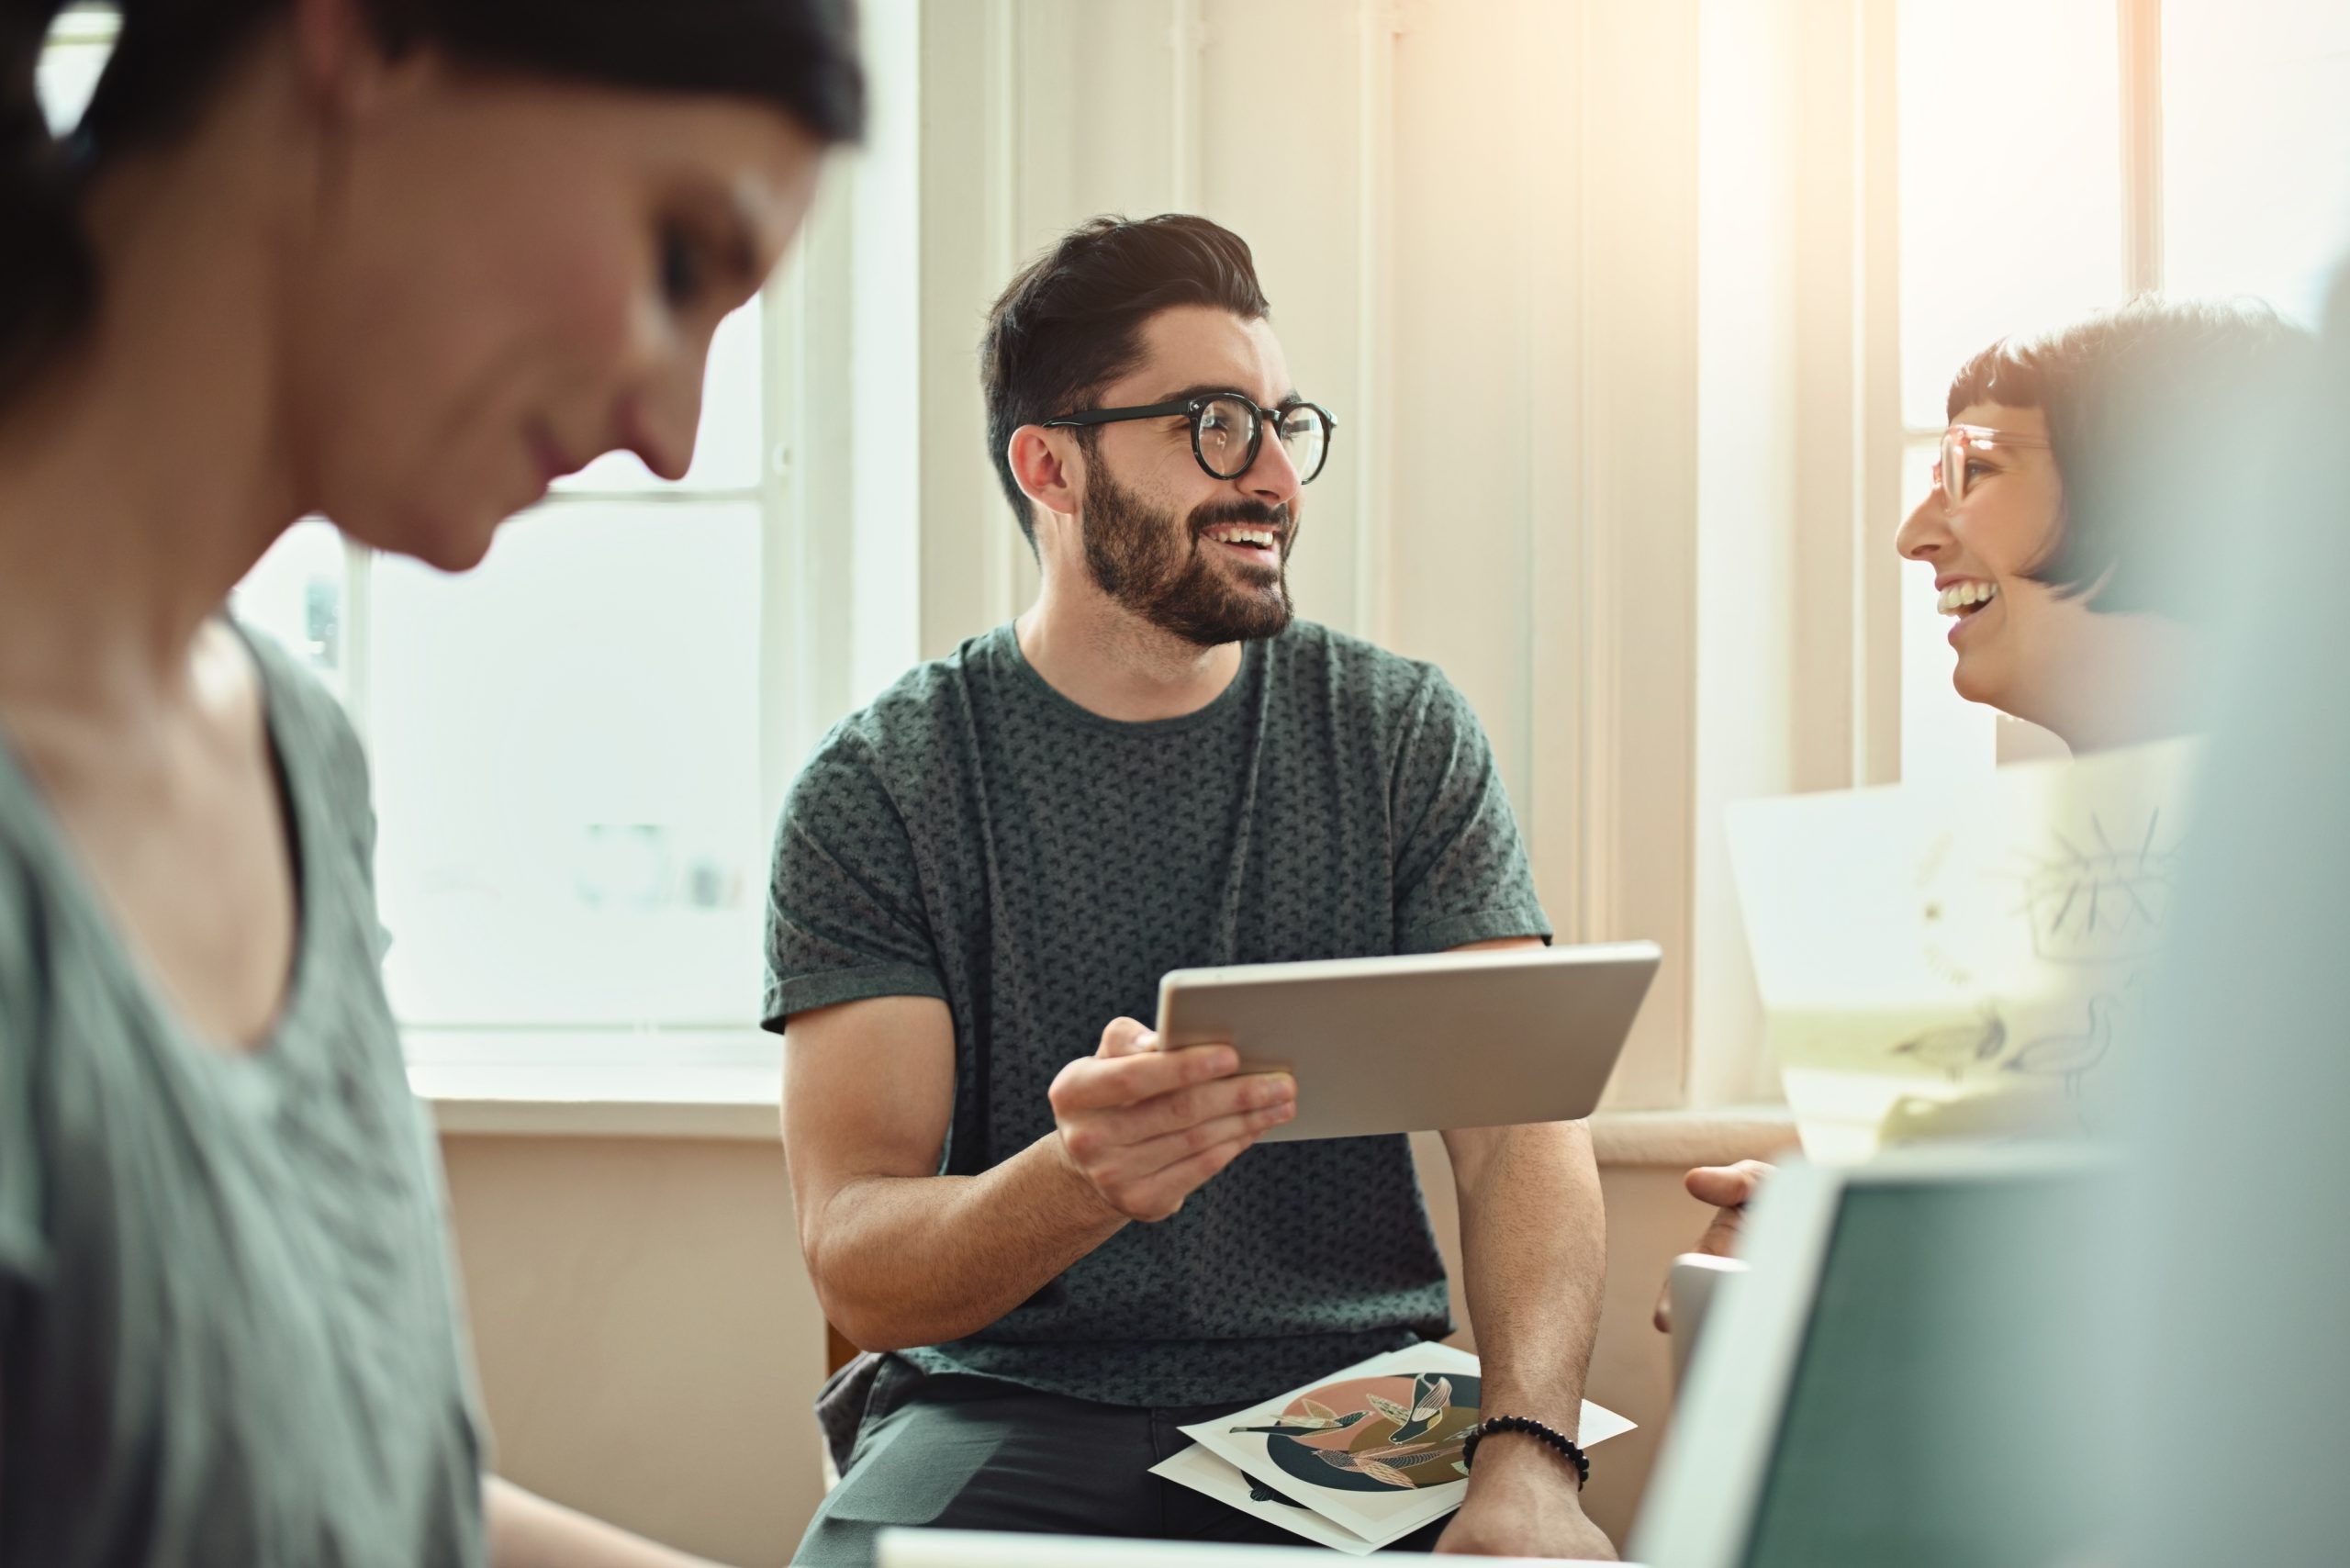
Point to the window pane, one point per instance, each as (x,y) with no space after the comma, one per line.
(2011,177)
(2255,149)
(1943,734)
(294,593)
(726,450)
(566,759)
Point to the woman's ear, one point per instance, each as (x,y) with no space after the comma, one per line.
(346,73)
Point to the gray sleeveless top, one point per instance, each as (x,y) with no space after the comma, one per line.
(229,1329)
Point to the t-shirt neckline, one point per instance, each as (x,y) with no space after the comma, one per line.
(1006,639)
(305,827)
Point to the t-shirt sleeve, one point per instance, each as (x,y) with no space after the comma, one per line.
(844,906)
(1461,874)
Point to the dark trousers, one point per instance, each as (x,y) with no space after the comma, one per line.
(973,1454)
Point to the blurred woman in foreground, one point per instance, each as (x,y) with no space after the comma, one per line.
(404,263)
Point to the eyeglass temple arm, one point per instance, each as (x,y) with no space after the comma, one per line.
(1986,436)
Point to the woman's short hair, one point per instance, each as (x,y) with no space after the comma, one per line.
(2160,417)
(170,55)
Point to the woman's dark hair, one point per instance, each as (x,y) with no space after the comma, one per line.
(170,55)
(2160,416)
(1071,322)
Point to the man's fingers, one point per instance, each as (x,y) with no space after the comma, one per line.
(1098,1083)
(1193,1104)
(1726,1186)
(1127,1037)
(1142,1161)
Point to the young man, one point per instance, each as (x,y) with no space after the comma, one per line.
(981,877)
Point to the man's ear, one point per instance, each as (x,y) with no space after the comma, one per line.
(345,73)
(1048,467)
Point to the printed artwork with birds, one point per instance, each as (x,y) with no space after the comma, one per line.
(1383,1443)
(2069,1057)
(1959,1048)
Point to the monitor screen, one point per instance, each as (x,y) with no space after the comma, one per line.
(1938,1412)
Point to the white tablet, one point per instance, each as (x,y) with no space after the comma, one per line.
(1418,1044)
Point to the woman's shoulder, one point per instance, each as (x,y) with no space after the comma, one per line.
(307,720)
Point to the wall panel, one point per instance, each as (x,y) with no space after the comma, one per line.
(1476,224)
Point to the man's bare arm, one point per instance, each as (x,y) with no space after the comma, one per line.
(1534,1258)
(1534,1254)
(903,1256)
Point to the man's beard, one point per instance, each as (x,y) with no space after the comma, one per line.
(1158,567)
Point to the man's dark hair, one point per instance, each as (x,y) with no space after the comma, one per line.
(1071,322)
(2159,418)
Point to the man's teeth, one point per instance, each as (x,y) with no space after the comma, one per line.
(1264,537)
(1960,598)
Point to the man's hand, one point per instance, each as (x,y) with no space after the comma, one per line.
(1727,1188)
(1524,1502)
(1146,1128)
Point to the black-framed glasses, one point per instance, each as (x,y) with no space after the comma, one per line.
(1227,427)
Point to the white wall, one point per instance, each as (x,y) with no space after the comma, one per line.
(1477,223)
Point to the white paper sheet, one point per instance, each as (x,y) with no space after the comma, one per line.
(1203,1470)
(1959,960)
(1373,1448)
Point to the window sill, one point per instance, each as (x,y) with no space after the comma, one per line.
(728,1086)
(719,1083)
(1681,1139)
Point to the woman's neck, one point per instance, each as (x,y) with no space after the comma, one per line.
(146,470)
(2134,681)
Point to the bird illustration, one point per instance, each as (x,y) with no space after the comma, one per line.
(1431,1397)
(1384,1463)
(2069,1057)
(1316,1418)
(1958,1048)
(1260,1493)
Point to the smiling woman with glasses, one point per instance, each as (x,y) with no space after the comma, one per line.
(2081,481)
(2086,482)
(1229,429)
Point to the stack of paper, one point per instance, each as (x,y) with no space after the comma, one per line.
(1359,1459)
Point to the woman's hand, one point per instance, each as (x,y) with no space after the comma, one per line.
(1727,1188)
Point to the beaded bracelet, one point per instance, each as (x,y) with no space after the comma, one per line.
(1491,1423)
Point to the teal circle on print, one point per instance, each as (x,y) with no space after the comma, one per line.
(1396,1433)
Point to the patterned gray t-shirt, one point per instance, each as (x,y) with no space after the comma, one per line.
(976,836)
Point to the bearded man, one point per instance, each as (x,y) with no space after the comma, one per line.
(1056,1243)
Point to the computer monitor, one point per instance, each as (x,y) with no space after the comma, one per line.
(1908,1373)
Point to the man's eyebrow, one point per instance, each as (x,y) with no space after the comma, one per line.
(1290,400)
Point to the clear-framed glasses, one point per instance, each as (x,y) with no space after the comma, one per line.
(1227,427)
(1958,442)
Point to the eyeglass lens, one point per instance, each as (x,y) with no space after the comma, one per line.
(1227,438)
(1952,471)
